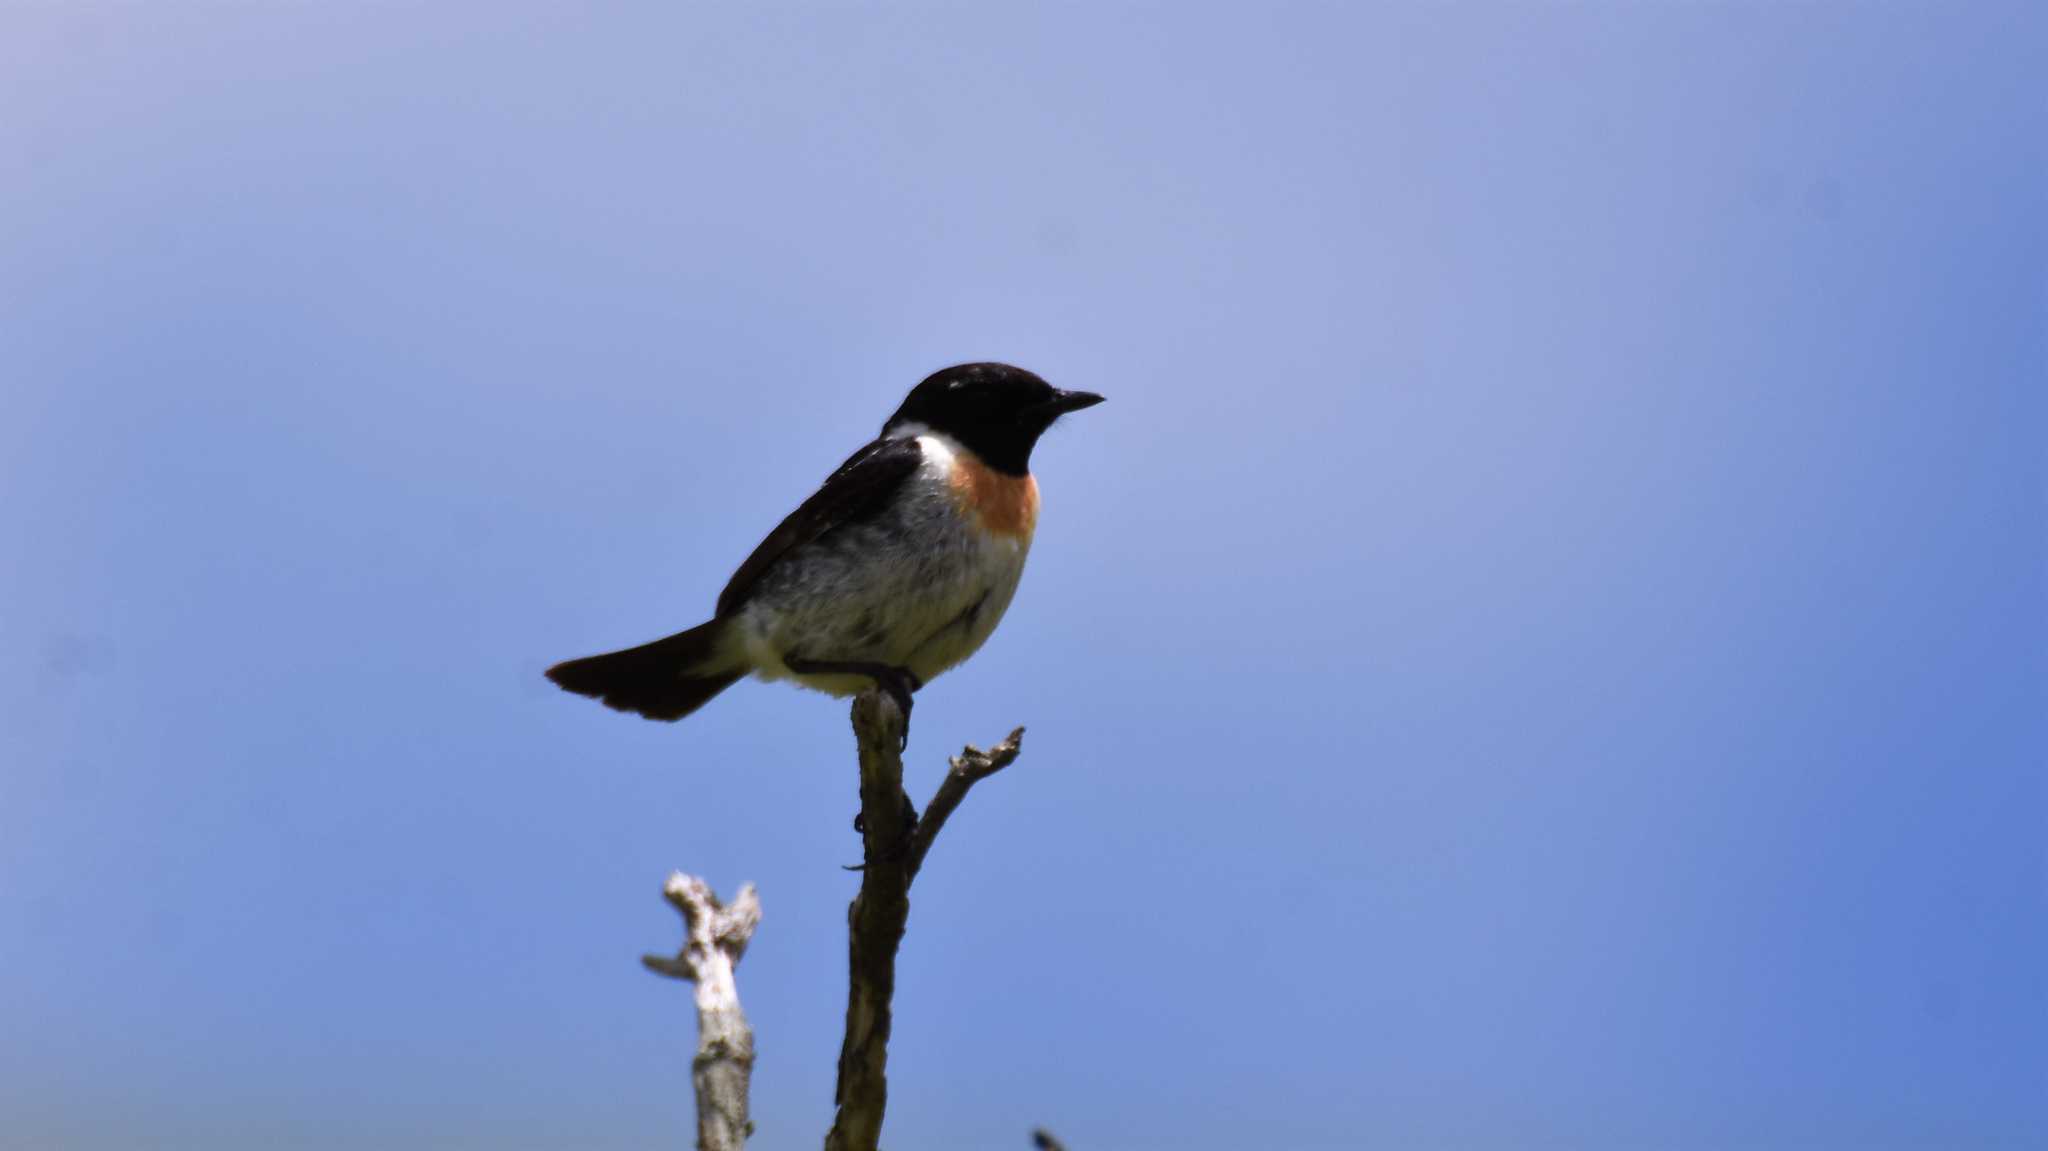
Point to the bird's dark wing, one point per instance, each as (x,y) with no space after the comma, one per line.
(862,486)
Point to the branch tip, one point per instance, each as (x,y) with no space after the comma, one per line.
(715,935)
(977,764)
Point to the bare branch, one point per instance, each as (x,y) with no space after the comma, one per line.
(894,844)
(715,936)
(874,927)
(970,767)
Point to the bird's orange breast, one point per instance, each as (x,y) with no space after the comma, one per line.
(1005,505)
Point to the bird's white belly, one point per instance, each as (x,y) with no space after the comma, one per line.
(921,589)
(986,591)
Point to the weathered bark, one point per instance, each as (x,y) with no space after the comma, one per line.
(894,846)
(874,926)
(715,938)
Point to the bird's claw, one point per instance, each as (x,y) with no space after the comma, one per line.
(899,685)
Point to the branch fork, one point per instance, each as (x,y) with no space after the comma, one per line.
(895,843)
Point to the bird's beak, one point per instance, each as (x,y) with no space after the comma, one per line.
(1064,402)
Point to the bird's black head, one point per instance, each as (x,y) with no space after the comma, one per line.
(994,410)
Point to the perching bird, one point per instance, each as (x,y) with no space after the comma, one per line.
(896,569)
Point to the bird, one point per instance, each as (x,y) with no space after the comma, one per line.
(896,569)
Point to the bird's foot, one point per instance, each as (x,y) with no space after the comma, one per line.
(899,683)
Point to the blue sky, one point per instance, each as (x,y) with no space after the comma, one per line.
(1545,645)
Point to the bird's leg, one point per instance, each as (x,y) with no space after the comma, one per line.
(901,683)
(897,682)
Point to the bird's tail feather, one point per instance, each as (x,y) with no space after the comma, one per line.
(667,679)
